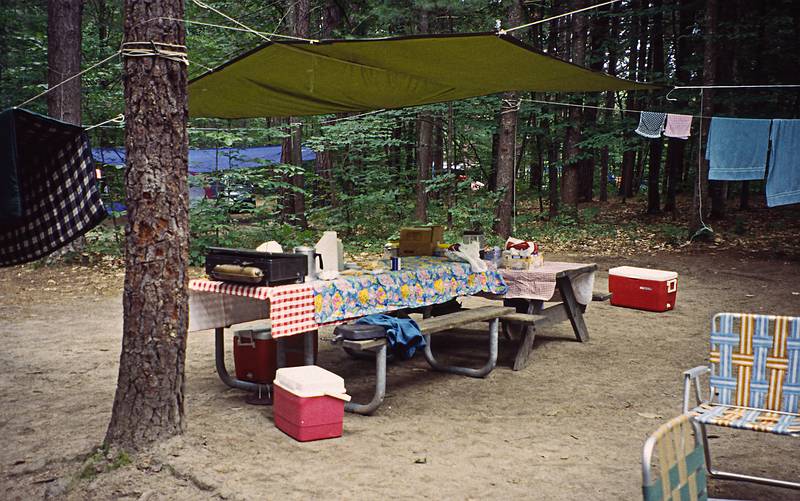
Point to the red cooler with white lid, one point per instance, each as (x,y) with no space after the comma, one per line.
(643,288)
(308,403)
(255,353)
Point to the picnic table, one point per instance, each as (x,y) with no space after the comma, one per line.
(300,309)
(529,290)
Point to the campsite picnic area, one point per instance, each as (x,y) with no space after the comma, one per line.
(571,425)
(400,249)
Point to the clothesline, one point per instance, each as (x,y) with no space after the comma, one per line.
(605,108)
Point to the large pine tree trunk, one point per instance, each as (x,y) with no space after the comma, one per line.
(301,10)
(656,145)
(609,103)
(700,197)
(552,142)
(571,172)
(424,145)
(64,59)
(148,404)
(635,41)
(505,163)
(506,144)
(676,147)
(424,163)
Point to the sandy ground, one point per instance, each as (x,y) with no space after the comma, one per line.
(570,426)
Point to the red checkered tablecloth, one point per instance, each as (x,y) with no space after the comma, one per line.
(540,283)
(291,307)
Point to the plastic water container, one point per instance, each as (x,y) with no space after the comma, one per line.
(308,403)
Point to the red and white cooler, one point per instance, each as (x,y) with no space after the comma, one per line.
(308,403)
(255,353)
(642,288)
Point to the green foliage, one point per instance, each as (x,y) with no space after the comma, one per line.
(672,234)
(368,190)
(104,459)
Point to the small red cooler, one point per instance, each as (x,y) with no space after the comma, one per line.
(255,353)
(309,403)
(642,288)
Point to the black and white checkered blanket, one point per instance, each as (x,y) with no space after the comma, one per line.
(57,198)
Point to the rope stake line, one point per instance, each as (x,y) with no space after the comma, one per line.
(509,30)
(76,75)
(119,119)
(701,87)
(158,49)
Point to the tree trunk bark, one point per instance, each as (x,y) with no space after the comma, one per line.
(676,148)
(609,103)
(505,164)
(506,146)
(570,174)
(657,145)
(148,405)
(64,59)
(629,155)
(285,193)
(301,10)
(700,197)
(424,163)
(424,143)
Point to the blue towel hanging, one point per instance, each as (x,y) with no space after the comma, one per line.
(783,180)
(737,149)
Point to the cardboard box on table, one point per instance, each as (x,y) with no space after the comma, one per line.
(420,240)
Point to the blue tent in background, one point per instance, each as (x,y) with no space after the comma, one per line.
(212,159)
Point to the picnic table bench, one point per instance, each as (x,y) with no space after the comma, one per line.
(530,289)
(429,327)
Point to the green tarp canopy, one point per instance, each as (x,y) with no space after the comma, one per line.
(339,76)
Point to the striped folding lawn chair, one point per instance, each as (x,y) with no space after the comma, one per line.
(680,460)
(754,381)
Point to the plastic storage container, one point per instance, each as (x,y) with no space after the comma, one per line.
(255,353)
(309,403)
(642,288)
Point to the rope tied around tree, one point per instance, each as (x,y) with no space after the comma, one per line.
(167,51)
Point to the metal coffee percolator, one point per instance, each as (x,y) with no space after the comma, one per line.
(311,254)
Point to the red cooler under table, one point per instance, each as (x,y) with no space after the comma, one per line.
(255,354)
(643,288)
(309,403)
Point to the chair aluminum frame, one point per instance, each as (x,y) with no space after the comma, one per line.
(691,381)
(649,446)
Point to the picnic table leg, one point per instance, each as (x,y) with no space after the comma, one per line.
(526,333)
(308,347)
(222,371)
(573,308)
(526,340)
(280,352)
(380,387)
(467,371)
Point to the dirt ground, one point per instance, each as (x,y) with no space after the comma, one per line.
(570,426)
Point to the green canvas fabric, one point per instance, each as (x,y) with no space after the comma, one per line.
(340,76)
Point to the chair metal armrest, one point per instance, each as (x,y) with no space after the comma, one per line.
(689,376)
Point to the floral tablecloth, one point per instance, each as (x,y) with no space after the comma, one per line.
(422,281)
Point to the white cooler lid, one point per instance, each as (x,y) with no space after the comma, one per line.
(310,381)
(643,273)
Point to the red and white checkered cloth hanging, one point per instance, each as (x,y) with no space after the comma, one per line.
(291,307)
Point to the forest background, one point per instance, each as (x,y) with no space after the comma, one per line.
(579,178)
